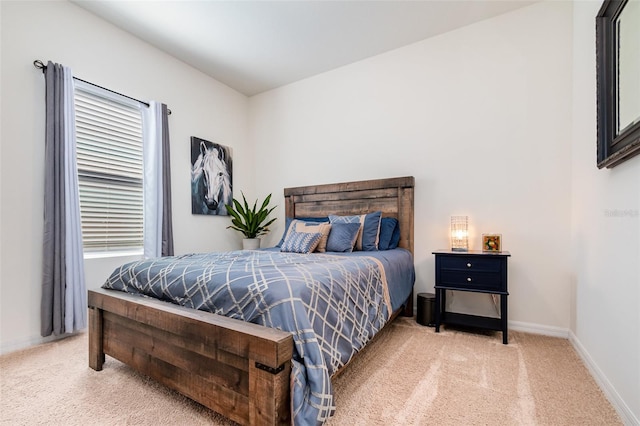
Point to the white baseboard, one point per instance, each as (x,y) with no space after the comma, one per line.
(545,330)
(30,342)
(529,327)
(623,410)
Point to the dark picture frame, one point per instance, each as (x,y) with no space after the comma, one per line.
(613,146)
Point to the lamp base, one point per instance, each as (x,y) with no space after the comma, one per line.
(459,249)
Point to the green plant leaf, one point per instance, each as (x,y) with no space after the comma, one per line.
(250,221)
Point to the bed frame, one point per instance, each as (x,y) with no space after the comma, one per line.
(238,369)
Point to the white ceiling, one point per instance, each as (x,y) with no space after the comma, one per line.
(254,46)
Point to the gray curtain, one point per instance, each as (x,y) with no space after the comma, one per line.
(63,302)
(158,231)
(53,263)
(167,224)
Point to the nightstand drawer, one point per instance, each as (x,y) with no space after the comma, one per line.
(471,263)
(471,280)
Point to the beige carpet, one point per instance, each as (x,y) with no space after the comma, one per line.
(409,375)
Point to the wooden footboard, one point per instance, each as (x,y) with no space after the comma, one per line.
(238,369)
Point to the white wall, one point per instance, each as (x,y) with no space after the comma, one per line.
(103,54)
(495,120)
(605,240)
(480,116)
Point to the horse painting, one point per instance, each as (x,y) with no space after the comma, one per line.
(210,178)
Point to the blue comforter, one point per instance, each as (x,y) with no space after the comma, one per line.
(332,304)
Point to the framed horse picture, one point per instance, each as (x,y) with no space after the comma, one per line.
(211,177)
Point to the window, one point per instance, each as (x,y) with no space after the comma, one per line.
(109,154)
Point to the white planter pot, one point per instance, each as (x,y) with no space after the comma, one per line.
(251,243)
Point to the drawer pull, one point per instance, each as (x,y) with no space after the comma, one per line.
(468,265)
(469,279)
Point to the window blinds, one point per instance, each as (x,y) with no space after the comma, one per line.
(109,155)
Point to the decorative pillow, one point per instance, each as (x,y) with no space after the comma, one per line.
(343,237)
(389,232)
(333,219)
(369,229)
(301,242)
(288,220)
(309,227)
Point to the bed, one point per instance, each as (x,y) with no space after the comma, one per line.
(241,369)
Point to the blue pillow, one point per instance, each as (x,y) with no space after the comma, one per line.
(371,231)
(342,237)
(370,224)
(288,220)
(389,233)
(301,242)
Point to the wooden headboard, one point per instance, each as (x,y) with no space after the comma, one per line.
(393,197)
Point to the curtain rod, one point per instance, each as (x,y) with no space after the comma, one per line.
(40,65)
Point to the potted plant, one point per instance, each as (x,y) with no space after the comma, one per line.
(251,222)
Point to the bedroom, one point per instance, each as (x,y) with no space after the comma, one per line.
(514,104)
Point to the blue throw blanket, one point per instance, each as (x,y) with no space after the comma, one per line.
(333,305)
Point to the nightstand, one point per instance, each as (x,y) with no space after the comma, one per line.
(474,271)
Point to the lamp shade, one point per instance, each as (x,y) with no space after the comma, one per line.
(459,233)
